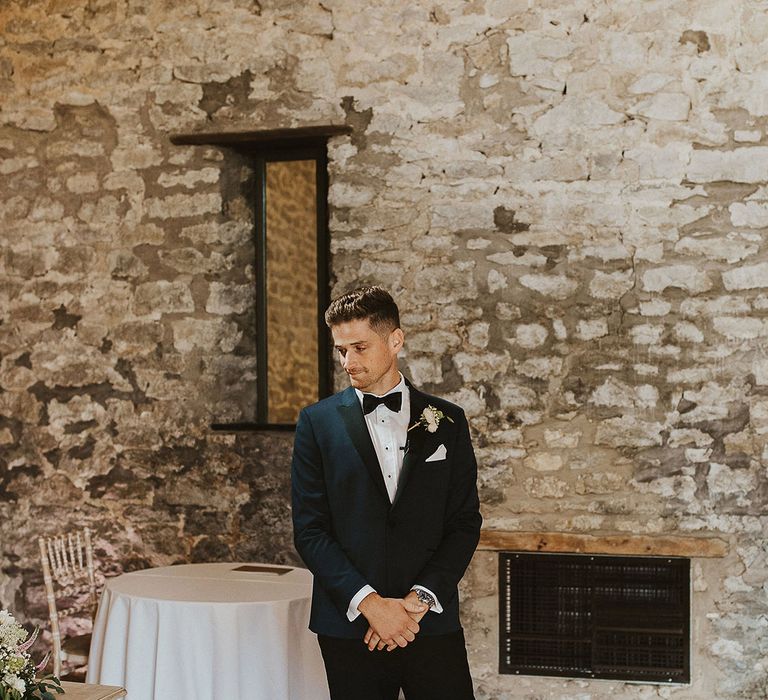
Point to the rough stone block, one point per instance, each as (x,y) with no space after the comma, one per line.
(425,370)
(760,370)
(104,215)
(180,205)
(687,332)
(546,487)
(594,328)
(685,277)
(13,165)
(478,333)
(137,337)
(515,396)
(611,285)
(205,336)
(445,282)
(739,327)
(723,481)
(434,342)
(562,119)
(731,249)
(758,416)
(189,179)
(747,135)
(655,307)
(650,83)
(715,306)
(178,93)
(46,209)
(599,483)
(525,260)
(530,335)
(532,55)
(123,264)
(749,214)
(686,436)
(607,252)
(475,367)
(496,281)
(555,438)
(746,277)
(556,286)
(544,462)
(540,367)
(690,375)
(163,297)
(613,392)
(627,431)
(747,164)
(192,261)
(226,300)
(471,400)
(83,183)
(646,334)
(668,106)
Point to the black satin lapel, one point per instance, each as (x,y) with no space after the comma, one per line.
(352,415)
(414,451)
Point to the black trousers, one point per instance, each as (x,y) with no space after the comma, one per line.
(429,668)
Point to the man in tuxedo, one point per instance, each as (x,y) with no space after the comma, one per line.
(386,516)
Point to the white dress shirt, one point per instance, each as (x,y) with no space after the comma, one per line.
(389,432)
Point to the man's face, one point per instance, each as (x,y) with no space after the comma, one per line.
(367,356)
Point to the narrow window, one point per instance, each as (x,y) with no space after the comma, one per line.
(291,245)
(282,176)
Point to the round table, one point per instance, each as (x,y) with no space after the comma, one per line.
(208,632)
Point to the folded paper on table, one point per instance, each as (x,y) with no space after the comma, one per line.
(279,570)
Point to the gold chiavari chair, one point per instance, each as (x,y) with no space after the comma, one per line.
(69,578)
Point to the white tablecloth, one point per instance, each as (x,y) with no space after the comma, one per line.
(207,632)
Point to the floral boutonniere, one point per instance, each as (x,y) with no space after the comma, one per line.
(430,418)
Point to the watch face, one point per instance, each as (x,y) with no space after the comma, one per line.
(424,597)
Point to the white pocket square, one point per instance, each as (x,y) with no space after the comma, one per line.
(438,454)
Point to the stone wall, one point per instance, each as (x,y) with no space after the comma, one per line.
(569,201)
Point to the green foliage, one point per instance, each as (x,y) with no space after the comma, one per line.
(17,670)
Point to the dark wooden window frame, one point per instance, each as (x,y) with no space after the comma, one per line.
(262,147)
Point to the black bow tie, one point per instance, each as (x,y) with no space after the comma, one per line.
(392,401)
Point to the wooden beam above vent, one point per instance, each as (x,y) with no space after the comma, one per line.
(635,545)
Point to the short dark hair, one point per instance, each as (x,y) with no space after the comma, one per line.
(372,303)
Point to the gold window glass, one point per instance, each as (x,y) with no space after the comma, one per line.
(290,199)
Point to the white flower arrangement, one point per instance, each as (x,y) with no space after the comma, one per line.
(17,671)
(430,418)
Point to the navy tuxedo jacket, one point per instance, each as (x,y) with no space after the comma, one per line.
(349,534)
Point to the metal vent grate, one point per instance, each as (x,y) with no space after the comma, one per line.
(582,616)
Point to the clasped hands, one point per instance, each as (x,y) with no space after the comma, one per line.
(394,622)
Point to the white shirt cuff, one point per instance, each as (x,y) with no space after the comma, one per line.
(352,611)
(437,607)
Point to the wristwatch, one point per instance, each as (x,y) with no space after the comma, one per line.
(425,598)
